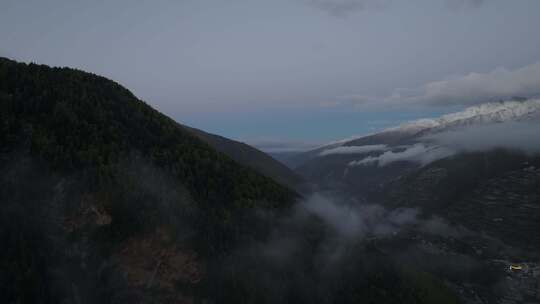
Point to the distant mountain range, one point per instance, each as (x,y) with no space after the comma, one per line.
(519,109)
(479,167)
(418,131)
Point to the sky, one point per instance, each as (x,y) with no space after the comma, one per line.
(293,73)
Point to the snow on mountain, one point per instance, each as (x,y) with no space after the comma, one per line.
(479,128)
(492,112)
(415,126)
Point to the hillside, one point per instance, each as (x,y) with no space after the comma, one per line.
(472,175)
(251,157)
(106,200)
(104,197)
(366,163)
(495,192)
(79,121)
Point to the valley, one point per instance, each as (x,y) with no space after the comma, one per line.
(106,199)
(478,207)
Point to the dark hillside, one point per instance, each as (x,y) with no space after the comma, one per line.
(496,192)
(79,121)
(251,157)
(105,199)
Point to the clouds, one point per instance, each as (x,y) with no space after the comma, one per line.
(240,69)
(342,8)
(521,136)
(463,4)
(470,89)
(353,149)
(354,222)
(326,242)
(473,88)
(419,153)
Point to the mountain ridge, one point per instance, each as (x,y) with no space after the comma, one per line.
(252,157)
(492,112)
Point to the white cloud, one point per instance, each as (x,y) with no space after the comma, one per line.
(342,8)
(470,89)
(461,4)
(357,221)
(523,136)
(418,153)
(474,88)
(353,149)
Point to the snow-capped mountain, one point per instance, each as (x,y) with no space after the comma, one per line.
(371,160)
(480,127)
(493,112)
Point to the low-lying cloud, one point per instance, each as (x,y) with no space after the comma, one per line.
(523,136)
(353,149)
(419,153)
(520,136)
(345,223)
(359,221)
(325,242)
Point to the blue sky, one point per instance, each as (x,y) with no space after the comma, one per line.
(313,126)
(289,70)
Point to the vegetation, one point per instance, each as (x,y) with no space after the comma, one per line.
(78,121)
(105,200)
(71,142)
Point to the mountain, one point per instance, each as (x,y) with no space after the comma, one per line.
(104,199)
(478,168)
(365,164)
(496,192)
(287,157)
(488,113)
(76,120)
(251,157)
(473,176)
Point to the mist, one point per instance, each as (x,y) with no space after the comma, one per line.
(418,153)
(353,149)
(329,242)
(521,136)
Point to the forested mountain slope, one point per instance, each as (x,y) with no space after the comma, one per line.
(104,198)
(249,156)
(79,121)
